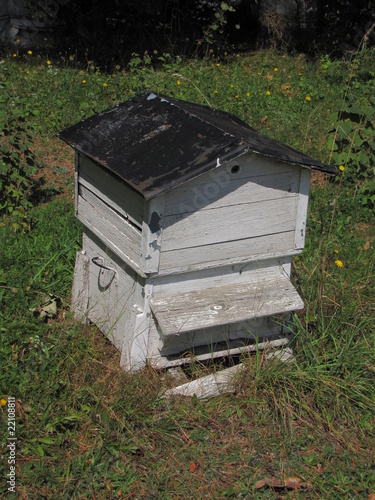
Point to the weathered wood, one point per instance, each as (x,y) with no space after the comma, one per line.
(231,223)
(224,381)
(178,313)
(227,253)
(113,293)
(303,201)
(215,338)
(111,228)
(80,289)
(76,184)
(254,271)
(189,235)
(282,355)
(103,296)
(151,237)
(216,384)
(256,180)
(111,190)
(136,340)
(160,362)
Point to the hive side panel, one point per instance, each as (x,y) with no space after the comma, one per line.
(114,292)
(151,236)
(109,226)
(254,272)
(80,287)
(214,189)
(227,253)
(110,209)
(250,215)
(232,223)
(303,201)
(111,190)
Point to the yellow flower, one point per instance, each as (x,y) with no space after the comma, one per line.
(248,94)
(231,85)
(105,84)
(258,73)
(217,64)
(18,40)
(29,52)
(48,62)
(308,98)
(3,402)
(27,71)
(268,92)
(336,250)
(14,55)
(342,168)
(276,69)
(83,81)
(215,91)
(339,263)
(178,82)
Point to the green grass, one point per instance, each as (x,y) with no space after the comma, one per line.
(84,428)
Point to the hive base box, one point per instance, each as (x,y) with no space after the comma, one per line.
(166,322)
(191,220)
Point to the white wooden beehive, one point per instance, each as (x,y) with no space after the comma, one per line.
(191,219)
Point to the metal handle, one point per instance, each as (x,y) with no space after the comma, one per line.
(94,260)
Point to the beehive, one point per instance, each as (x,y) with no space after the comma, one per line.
(191,219)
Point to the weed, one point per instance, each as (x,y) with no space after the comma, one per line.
(16,167)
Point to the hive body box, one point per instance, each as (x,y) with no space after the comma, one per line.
(191,219)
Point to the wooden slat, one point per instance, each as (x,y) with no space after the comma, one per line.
(80,289)
(163,362)
(219,276)
(151,236)
(227,253)
(231,223)
(132,231)
(303,201)
(112,229)
(212,339)
(113,293)
(220,187)
(179,313)
(113,192)
(213,385)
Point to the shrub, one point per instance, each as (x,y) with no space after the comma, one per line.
(16,168)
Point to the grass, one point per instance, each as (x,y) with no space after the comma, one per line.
(84,428)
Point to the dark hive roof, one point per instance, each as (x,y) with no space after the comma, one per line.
(155,143)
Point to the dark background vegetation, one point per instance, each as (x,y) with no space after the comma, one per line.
(109,32)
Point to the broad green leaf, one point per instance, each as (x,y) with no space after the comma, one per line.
(347,127)
(358,141)
(368,111)
(332,145)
